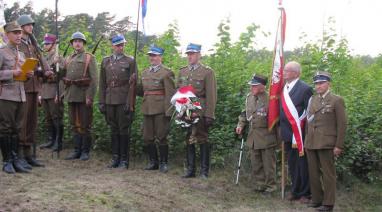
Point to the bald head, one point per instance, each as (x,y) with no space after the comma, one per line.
(292,71)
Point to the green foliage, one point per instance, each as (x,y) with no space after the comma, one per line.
(357,79)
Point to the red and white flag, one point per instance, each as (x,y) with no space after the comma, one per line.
(276,85)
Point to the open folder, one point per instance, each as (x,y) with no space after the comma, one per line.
(28,66)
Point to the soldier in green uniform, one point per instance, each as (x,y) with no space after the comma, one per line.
(80,81)
(157,87)
(52,88)
(324,141)
(115,93)
(202,78)
(12,98)
(32,88)
(260,140)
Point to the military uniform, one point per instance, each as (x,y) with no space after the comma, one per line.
(260,140)
(157,89)
(52,88)
(202,79)
(80,81)
(326,130)
(32,88)
(12,97)
(116,92)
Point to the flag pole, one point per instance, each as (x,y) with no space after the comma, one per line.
(136,35)
(281,21)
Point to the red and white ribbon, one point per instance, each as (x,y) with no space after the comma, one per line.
(297,122)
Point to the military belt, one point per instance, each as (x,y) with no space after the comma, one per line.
(154,92)
(78,82)
(117,83)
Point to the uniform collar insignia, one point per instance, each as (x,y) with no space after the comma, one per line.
(193,67)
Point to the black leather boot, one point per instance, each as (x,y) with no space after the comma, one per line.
(6,150)
(15,160)
(86,145)
(19,153)
(204,160)
(153,157)
(51,134)
(190,161)
(30,159)
(163,154)
(59,126)
(76,154)
(115,139)
(124,150)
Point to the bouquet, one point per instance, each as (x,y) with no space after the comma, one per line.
(187,106)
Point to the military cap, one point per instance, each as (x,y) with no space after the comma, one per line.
(78,35)
(12,26)
(321,76)
(156,50)
(258,79)
(192,47)
(49,38)
(25,19)
(118,39)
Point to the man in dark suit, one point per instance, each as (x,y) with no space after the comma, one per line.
(299,93)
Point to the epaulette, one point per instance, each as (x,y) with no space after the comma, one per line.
(166,68)
(129,56)
(184,67)
(90,54)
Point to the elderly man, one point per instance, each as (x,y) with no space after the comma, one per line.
(324,141)
(294,102)
(261,141)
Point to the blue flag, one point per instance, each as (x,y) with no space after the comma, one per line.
(144,10)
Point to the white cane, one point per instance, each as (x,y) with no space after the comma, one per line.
(239,163)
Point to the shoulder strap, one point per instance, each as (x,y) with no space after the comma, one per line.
(87,61)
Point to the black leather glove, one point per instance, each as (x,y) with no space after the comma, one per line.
(208,121)
(126,109)
(102,108)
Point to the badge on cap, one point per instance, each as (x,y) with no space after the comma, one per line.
(192,47)
(258,79)
(118,39)
(49,38)
(155,50)
(321,76)
(12,26)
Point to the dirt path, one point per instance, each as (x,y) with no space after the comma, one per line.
(90,186)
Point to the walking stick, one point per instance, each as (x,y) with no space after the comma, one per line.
(239,162)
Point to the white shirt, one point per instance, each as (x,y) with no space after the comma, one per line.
(290,85)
